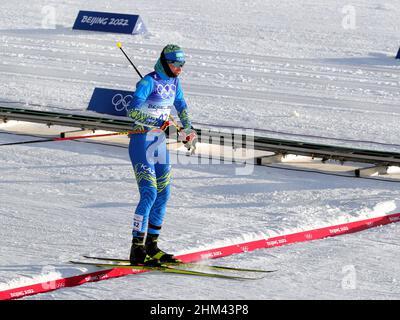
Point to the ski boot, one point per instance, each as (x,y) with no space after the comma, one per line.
(138,254)
(153,252)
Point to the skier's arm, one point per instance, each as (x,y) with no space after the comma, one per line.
(143,89)
(188,135)
(181,107)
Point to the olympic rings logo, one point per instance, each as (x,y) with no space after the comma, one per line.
(167,91)
(120,102)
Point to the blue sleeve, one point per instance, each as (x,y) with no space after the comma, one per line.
(181,107)
(143,89)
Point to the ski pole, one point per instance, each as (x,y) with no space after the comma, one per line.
(177,126)
(119,45)
(74,138)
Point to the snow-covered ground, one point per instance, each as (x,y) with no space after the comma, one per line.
(296,69)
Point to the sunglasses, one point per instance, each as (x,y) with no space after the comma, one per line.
(177,64)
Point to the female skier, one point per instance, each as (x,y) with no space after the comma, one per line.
(150,108)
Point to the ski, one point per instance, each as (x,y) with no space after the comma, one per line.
(187,265)
(166,269)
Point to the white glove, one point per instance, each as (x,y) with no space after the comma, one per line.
(188,137)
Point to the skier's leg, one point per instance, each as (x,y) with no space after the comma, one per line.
(147,185)
(157,212)
(162,169)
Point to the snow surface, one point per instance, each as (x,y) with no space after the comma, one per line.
(291,68)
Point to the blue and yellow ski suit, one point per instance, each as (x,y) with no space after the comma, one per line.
(150,107)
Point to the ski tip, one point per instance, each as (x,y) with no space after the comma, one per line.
(119,44)
(74,262)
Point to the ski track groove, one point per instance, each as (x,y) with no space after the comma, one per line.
(275,68)
(283,68)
